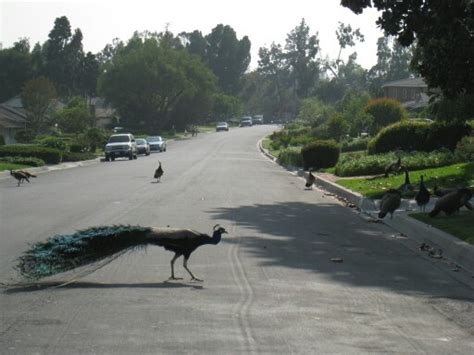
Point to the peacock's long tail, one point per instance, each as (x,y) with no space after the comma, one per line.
(66,252)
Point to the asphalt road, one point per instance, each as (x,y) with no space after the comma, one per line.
(269,286)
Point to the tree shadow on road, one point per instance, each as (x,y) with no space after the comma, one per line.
(307,236)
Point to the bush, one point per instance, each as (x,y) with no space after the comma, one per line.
(352,165)
(291,157)
(465,149)
(23,161)
(385,111)
(25,136)
(77,147)
(320,154)
(354,144)
(49,155)
(52,142)
(417,136)
(72,156)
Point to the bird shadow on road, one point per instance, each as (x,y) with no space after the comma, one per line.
(313,236)
(58,285)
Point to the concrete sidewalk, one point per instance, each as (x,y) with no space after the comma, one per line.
(454,249)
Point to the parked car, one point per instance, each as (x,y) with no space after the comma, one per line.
(246,122)
(143,147)
(222,126)
(257,119)
(121,145)
(156,143)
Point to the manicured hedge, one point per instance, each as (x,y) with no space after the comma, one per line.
(320,154)
(49,155)
(72,156)
(23,161)
(417,136)
(354,144)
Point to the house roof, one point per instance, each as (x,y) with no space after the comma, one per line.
(11,117)
(409,82)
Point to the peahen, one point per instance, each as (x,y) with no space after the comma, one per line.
(391,200)
(394,168)
(310,180)
(158,173)
(20,176)
(423,195)
(452,202)
(66,252)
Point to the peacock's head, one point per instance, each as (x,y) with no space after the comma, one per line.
(219,229)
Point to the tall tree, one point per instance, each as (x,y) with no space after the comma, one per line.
(148,80)
(228,57)
(15,70)
(301,54)
(89,73)
(36,97)
(444,35)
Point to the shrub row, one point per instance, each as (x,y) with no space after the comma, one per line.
(354,144)
(350,165)
(72,156)
(23,161)
(48,155)
(418,136)
(291,156)
(320,154)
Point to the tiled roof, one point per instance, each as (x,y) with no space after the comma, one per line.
(410,82)
(11,118)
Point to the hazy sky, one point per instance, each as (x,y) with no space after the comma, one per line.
(263,21)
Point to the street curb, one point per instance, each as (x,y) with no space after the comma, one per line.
(453,248)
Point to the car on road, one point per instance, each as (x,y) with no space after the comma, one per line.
(157,144)
(257,119)
(222,126)
(246,122)
(143,147)
(121,145)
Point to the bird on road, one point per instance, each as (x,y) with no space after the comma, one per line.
(27,173)
(158,173)
(391,200)
(20,176)
(310,180)
(423,195)
(103,244)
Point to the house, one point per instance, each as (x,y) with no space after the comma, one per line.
(411,92)
(11,121)
(105,115)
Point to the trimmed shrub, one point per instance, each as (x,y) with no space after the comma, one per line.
(23,161)
(291,156)
(354,144)
(49,155)
(465,149)
(52,142)
(417,136)
(320,154)
(25,136)
(385,111)
(77,147)
(71,156)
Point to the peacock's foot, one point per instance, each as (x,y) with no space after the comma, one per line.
(196,279)
(175,278)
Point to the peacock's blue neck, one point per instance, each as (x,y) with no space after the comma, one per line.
(216,237)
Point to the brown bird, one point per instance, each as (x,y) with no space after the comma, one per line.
(158,173)
(20,176)
(310,180)
(390,202)
(406,186)
(423,195)
(394,168)
(452,202)
(27,173)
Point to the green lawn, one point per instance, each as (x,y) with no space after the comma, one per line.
(460,225)
(266,143)
(11,166)
(446,176)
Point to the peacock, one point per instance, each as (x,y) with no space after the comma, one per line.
(62,253)
(20,176)
(158,172)
(310,180)
(423,195)
(452,202)
(394,168)
(406,186)
(391,200)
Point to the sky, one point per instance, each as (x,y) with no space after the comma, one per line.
(263,21)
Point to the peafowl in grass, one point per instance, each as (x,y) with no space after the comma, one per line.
(452,202)
(423,195)
(62,253)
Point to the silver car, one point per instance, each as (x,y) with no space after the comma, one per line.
(143,147)
(157,144)
(121,145)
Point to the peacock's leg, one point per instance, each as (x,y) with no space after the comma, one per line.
(185,265)
(176,256)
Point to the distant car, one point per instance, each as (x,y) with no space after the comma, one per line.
(121,145)
(156,144)
(143,147)
(257,119)
(222,126)
(246,122)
